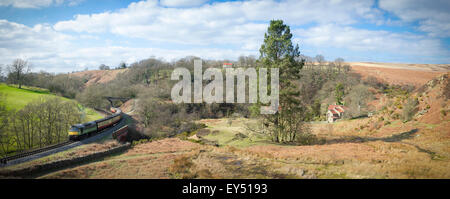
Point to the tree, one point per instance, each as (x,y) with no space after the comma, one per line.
(339,93)
(410,109)
(122,65)
(43,122)
(315,109)
(321,60)
(339,63)
(17,71)
(5,139)
(277,51)
(103,67)
(356,100)
(1,73)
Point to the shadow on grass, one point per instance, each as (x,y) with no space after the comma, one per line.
(357,139)
(31,89)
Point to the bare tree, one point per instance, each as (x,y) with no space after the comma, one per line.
(103,67)
(18,70)
(122,65)
(339,62)
(1,73)
(42,122)
(4,138)
(320,59)
(357,100)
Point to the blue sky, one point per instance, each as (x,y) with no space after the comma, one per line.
(69,35)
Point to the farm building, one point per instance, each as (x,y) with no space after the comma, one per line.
(227,65)
(335,112)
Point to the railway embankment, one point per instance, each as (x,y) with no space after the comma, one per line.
(35,170)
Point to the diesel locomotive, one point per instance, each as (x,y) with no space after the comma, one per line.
(80,131)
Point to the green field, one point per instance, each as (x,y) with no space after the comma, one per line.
(226,134)
(18,98)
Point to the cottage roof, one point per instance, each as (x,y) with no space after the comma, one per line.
(338,108)
(333,111)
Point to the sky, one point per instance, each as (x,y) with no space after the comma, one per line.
(71,35)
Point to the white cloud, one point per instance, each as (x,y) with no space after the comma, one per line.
(221,30)
(182,3)
(360,40)
(218,23)
(53,51)
(37,3)
(433,16)
(39,43)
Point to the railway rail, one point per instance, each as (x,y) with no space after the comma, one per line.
(35,151)
(5,160)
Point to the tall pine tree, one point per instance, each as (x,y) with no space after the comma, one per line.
(279,52)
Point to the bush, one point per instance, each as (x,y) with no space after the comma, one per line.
(410,109)
(309,139)
(181,167)
(395,116)
(443,112)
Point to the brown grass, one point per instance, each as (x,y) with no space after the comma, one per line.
(360,148)
(75,152)
(148,160)
(98,76)
(396,75)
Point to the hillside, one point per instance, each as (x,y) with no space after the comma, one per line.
(401,74)
(392,73)
(18,98)
(378,147)
(98,76)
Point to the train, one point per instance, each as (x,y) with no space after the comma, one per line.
(80,131)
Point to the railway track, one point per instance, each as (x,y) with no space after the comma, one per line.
(5,160)
(103,111)
(35,151)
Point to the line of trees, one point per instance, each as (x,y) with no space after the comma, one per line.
(42,122)
(122,65)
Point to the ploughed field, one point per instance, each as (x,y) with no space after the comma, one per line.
(400,74)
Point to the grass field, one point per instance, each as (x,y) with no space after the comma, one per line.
(234,132)
(18,98)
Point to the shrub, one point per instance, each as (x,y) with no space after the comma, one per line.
(181,167)
(443,112)
(410,109)
(309,139)
(374,126)
(395,116)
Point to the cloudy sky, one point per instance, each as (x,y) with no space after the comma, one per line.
(68,35)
